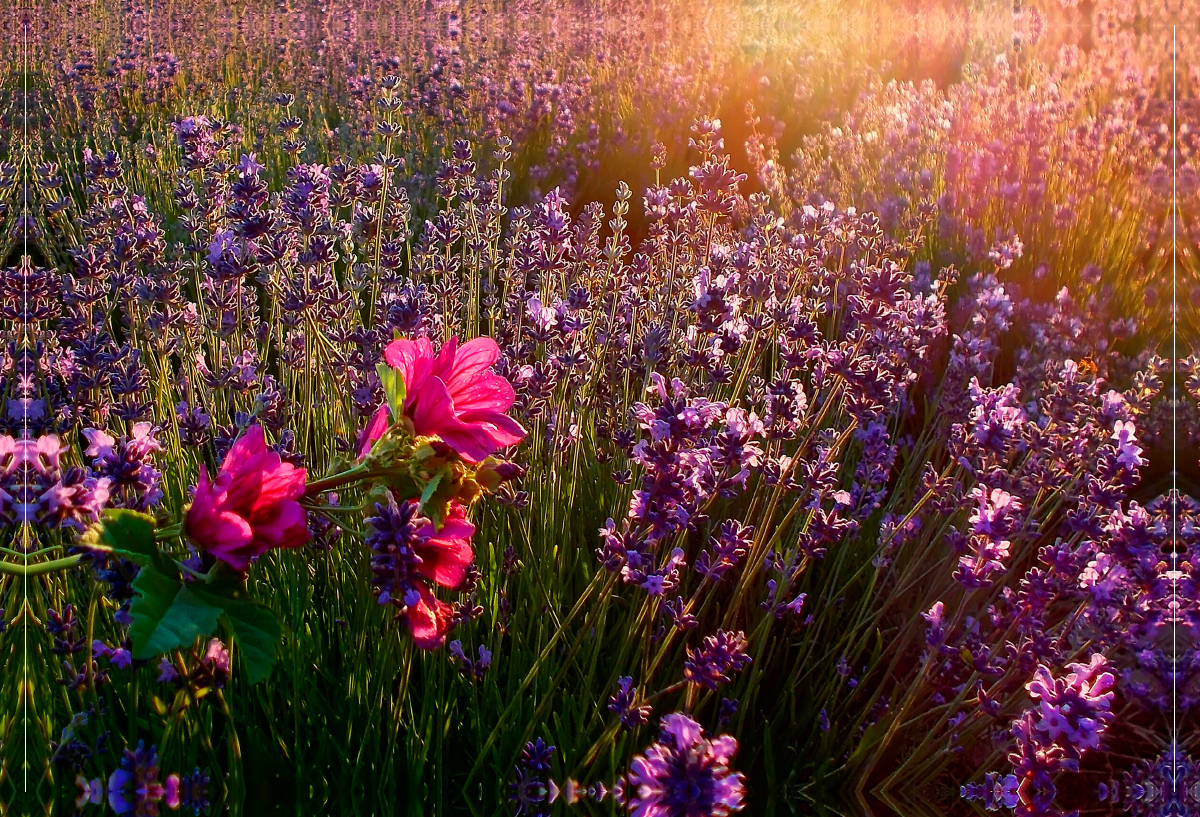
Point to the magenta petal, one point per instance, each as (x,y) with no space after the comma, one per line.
(501,429)
(489,392)
(446,564)
(433,410)
(250,445)
(443,364)
(428,620)
(226,535)
(279,481)
(376,426)
(472,442)
(448,552)
(454,396)
(286,526)
(414,361)
(474,358)
(250,507)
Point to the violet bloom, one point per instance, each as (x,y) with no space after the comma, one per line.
(994,519)
(212,671)
(996,416)
(528,788)
(624,704)
(46,493)
(995,791)
(167,673)
(683,775)
(1073,711)
(1104,575)
(936,618)
(452,395)
(128,465)
(721,654)
(134,787)
(90,791)
(193,791)
(1124,437)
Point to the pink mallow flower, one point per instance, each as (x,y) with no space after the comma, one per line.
(251,506)
(453,395)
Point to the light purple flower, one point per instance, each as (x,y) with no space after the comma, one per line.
(683,775)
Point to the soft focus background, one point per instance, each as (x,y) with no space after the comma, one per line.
(899,257)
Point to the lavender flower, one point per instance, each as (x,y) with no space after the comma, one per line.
(134,787)
(528,789)
(721,654)
(624,705)
(683,774)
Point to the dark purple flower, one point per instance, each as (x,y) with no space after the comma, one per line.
(721,654)
(624,704)
(529,788)
(193,791)
(134,787)
(1073,711)
(683,775)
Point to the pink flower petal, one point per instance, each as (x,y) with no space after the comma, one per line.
(474,358)
(443,364)
(414,361)
(225,535)
(376,426)
(286,526)
(444,558)
(504,430)
(429,620)
(487,392)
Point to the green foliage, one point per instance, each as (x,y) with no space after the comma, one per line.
(129,534)
(393,389)
(167,615)
(256,630)
(170,614)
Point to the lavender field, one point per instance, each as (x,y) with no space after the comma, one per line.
(600,407)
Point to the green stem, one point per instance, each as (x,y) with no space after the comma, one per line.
(41,567)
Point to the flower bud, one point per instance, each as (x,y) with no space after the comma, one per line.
(492,473)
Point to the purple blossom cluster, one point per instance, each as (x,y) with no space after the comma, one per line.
(683,773)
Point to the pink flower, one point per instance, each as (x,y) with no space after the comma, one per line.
(171,791)
(446,553)
(444,556)
(453,395)
(429,618)
(251,506)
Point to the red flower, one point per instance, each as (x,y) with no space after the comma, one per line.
(251,506)
(453,395)
(444,557)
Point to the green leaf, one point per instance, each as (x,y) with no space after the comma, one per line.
(130,534)
(167,615)
(436,505)
(393,388)
(225,585)
(257,632)
(430,487)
